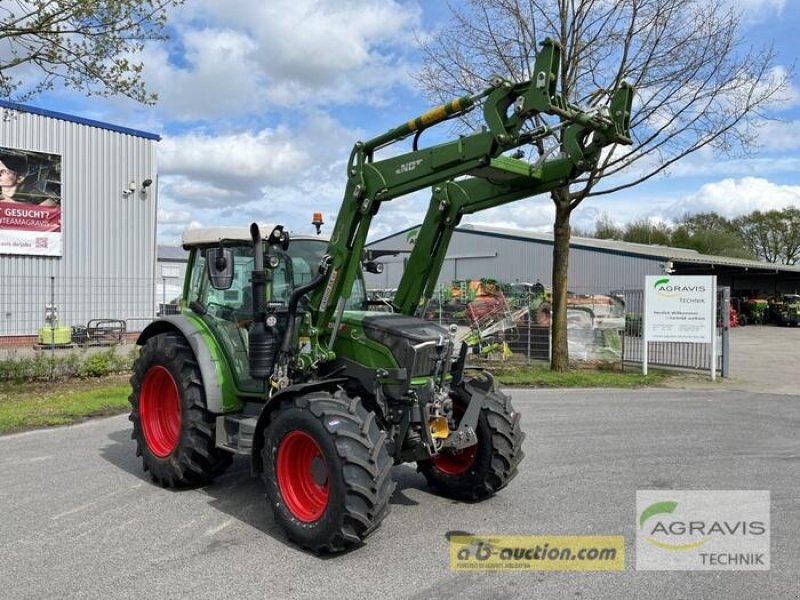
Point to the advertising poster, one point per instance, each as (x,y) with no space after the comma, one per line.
(30,203)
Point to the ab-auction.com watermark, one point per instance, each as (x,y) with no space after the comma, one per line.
(537,553)
(682,530)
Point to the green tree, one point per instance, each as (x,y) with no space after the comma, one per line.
(643,231)
(700,222)
(710,233)
(605,229)
(699,86)
(773,236)
(88,45)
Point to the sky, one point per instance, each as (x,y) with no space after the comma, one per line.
(260,103)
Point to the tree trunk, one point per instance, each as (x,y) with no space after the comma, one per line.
(561,235)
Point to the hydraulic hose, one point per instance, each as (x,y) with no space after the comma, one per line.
(294,299)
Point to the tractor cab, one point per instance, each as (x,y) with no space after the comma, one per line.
(219,289)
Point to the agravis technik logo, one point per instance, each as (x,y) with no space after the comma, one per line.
(702,530)
(664,288)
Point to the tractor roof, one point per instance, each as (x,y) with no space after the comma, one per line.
(209,236)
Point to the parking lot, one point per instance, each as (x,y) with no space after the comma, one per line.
(80,519)
(765,358)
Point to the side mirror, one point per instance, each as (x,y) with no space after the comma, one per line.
(219,263)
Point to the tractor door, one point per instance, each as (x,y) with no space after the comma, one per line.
(228,312)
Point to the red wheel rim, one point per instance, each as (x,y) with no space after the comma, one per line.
(302,476)
(160,411)
(456,462)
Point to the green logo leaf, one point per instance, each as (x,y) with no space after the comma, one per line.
(656,509)
(661,281)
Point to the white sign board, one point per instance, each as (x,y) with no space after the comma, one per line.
(679,308)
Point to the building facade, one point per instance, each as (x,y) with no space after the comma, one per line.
(78,234)
(595,266)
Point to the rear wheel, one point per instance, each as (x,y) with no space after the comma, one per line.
(174,432)
(327,470)
(478,471)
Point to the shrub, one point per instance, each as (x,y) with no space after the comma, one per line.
(45,366)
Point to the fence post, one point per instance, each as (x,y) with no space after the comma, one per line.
(528,323)
(624,330)
(726,329)
(53,325)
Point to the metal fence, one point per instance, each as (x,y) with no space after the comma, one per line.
(56,312)
(516,327)
(53,311)
(671,354)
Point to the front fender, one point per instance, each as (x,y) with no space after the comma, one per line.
(212,366)
(274,402)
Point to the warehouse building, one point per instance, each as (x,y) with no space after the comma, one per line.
(595,266)
(77,222)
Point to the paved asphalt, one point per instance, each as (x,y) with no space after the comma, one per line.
(81,520)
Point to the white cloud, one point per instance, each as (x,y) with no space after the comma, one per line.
(269,154)
(734,197)
(277,175)
(756,11)
(226,61)
(531,214)
(779,135)
(174,217)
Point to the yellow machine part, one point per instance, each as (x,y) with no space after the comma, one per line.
(439,428)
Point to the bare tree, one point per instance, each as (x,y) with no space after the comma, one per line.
(84,44)
(773,236)
(699,86)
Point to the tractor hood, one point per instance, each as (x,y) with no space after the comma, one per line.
(399,334)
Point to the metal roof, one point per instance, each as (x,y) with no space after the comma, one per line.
(205,236)
(80,120)
(172,253)
(631,249)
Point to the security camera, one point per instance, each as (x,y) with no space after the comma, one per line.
(147,183)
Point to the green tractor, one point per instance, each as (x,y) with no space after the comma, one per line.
(276,356)
(785,309)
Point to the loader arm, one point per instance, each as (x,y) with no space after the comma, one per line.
(508,111)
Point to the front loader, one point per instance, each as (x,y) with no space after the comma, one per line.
(275,354)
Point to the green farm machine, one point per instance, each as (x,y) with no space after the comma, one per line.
(275,354)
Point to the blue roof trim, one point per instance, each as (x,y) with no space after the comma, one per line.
(80,120)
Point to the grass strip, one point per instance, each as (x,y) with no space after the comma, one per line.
(29,406)
(542,376)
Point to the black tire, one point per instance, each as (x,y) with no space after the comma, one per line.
(474,475)
(178,450)
(353,475)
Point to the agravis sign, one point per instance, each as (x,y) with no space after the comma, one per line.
(679,308)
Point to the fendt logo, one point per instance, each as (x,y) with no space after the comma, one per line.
(665,289)
(408,167)
(682,534)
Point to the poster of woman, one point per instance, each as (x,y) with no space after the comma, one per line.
(30,202)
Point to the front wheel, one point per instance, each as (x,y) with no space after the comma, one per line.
(174,431)
(327,470)
(478,471)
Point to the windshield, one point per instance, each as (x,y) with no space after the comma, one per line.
(305,258)
(296,267)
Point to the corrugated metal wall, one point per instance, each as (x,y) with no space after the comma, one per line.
(108,264)
(473,255)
